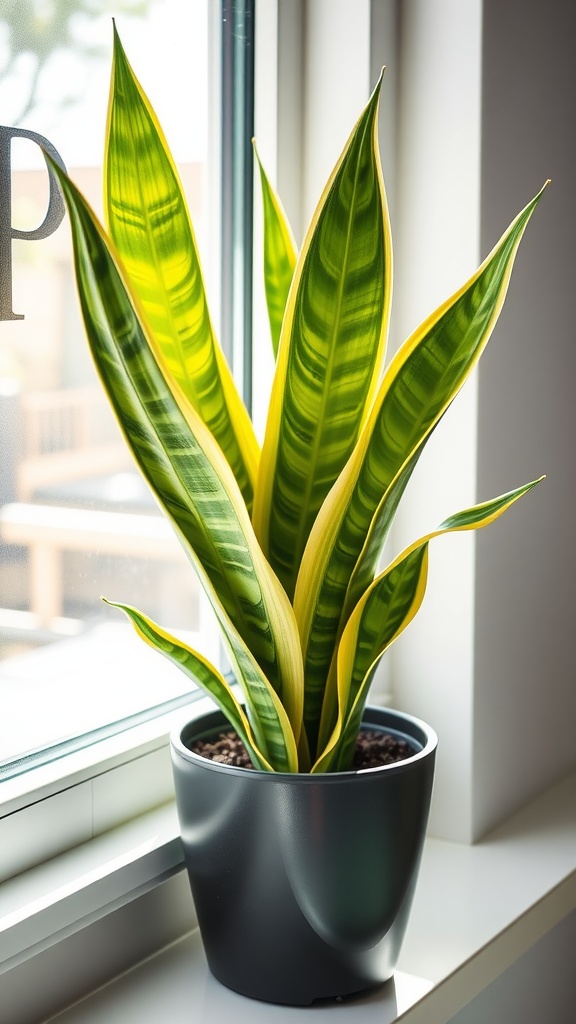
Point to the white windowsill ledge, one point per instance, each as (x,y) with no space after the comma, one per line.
(46,904)
(476,911)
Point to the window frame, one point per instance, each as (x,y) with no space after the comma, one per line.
(59,785)
(286,147)
(66,789)
(284,35)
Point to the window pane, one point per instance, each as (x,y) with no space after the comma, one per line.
(76,520)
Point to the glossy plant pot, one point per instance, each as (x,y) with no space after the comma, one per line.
(303,883)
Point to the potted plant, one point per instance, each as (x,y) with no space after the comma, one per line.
(303,866)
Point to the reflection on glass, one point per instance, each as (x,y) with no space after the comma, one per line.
(76,520)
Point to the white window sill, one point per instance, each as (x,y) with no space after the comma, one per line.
(46,904)
(58,698)
(476,911)
(70,800)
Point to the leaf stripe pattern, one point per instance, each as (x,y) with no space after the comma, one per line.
(199,669)
(263,725)
(279,256)
(183,464)
(383,518)
(331,351)
(150,226)
(384,611)
(418,386)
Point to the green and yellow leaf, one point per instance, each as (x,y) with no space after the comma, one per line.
(270,737)
(279,256)
(182,462)
(199,669)
(340,445)
(331,351)
(419,384)
(383,612)
(150,226)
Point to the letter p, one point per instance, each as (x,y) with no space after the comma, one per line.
(53,218)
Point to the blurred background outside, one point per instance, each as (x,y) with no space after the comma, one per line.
(76,520)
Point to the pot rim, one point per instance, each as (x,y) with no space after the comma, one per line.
(179,749)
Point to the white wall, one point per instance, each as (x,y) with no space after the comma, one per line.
(485,115)
(525,655)
(336,88)
(436,230)
(538,989)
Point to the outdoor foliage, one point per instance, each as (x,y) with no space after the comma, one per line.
(35,33)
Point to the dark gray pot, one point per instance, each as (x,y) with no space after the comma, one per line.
(303,883)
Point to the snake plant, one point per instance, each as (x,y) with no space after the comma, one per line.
(286,540)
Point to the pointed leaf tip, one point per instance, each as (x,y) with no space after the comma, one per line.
(375,96)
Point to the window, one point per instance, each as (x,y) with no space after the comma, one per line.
(478,139)
(456,178)
(76,520)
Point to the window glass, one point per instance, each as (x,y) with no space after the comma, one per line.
(76,520)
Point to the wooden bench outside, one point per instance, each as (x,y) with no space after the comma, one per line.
(49,530)
(64,439)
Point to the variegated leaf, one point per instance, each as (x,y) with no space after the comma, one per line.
(419,384)
(182,462)
(279,256)
(150,225)
(199,669)
(384,611)
(331,351)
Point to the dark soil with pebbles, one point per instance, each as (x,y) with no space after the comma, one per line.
(373,749)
